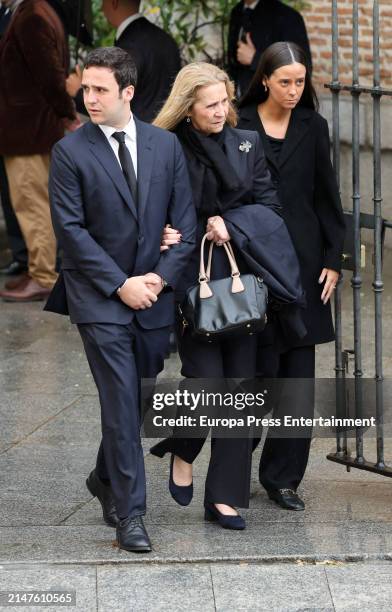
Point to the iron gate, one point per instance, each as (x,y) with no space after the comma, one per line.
(356,221)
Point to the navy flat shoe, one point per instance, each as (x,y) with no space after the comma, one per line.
(225,520)
(181,494)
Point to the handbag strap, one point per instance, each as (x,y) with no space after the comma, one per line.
(205,274)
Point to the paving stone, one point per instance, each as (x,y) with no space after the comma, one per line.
(369,587)
(22,412)
(78,578)
(273,588)
(34,511)
(171,588)
(200,542)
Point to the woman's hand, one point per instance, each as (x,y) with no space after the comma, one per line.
(331,278)
(216,230)
(170,236)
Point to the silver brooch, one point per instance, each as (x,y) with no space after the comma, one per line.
(245,146)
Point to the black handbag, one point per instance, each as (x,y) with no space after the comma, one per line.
(226,307)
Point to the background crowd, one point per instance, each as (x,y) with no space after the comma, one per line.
(39,100)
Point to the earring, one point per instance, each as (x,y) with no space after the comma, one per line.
(188,119)
(265,88)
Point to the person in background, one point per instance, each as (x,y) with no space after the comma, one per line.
(35,109)
(254,25)
(281,105)
(155,53)
(18,264)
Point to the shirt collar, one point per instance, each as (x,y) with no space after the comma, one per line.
(251,6)
(129,129)
(124,24)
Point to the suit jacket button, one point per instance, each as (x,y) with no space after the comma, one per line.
(141,239)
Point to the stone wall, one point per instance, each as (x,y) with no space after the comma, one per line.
(318,22)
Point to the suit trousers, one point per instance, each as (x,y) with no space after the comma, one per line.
(14,235)
(283,460)
(229,470)
(28,183)
(119,356)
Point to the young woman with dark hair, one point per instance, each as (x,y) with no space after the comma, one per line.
(281,105)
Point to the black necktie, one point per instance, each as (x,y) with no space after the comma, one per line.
(126,164)
(247,18)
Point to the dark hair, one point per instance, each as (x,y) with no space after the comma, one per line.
(275,56)
(118,61)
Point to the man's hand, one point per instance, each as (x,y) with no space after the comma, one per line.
(216,230)
(246,51)
(74,82)
(154,282)
(170,236)
(136,292)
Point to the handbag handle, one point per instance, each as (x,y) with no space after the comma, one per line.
(204,275)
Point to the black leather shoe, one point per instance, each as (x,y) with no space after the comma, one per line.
(225,520)
(182,494)
(286,498)
(105,496)
(132,535)
(15,268)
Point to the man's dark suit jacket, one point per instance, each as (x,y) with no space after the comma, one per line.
(104,238)
(157,61)
(272,21)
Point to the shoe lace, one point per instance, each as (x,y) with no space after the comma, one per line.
(136,520)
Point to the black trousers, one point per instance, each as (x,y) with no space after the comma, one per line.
(119,356)
(229,470)
(15,237)
(283,460)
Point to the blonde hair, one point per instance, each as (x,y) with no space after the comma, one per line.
(184,94)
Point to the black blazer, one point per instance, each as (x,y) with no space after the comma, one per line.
(272,22)
(105,238)
(157,61)
(256,188)
(311,206)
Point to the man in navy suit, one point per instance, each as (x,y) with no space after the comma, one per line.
(114,184)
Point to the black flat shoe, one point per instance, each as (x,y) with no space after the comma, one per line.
(287,499)
(14,268)
(105,496)
(181,494)
(225,520)
(132,535)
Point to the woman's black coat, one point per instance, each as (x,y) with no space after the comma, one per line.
(311,206)
(256,188)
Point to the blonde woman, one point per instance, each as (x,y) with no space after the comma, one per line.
(224,174)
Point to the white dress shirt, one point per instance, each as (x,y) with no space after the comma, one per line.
(251,6)
(130,140)
(124,24)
